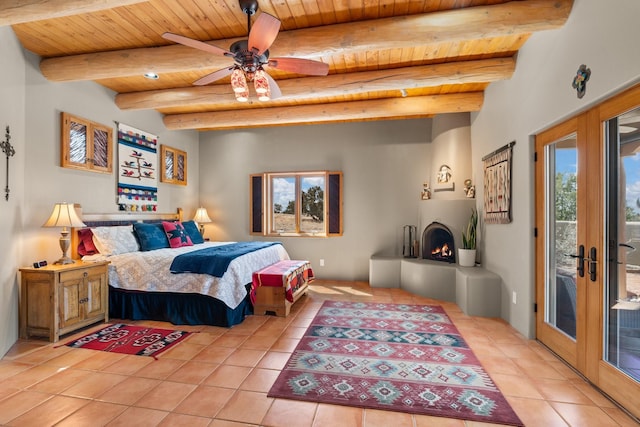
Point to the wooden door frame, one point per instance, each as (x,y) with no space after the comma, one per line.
(554,339)
(587,356)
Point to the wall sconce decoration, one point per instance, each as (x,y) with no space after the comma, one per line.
(443,179)
(9,151)
(581,79)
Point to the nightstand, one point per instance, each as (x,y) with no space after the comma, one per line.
(58,299)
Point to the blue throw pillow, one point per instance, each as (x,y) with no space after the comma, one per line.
(150,236)
(192,231)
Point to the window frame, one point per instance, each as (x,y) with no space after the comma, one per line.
(261,203)
(165,152)
(92,128)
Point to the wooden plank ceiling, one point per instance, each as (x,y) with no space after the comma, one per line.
(387,58)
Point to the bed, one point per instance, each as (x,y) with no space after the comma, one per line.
(141,284)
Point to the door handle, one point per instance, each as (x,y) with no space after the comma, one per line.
(626,245)
(580,257)
(592,264)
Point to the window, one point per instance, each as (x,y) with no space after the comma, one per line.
(174,165)
(297,204)
(86,145)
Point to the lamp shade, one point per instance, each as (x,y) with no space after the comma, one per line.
(239,81)
(64,215)
(242,96)
(260,82)
(201,216)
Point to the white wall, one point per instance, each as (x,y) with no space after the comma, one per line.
(12,113)
(32,106)
(602,35)
(47,183)
(384,165)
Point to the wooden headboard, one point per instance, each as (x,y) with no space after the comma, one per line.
(115,219)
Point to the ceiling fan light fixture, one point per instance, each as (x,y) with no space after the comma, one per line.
(239,81)
(242,96)
(260,82)
(266,96)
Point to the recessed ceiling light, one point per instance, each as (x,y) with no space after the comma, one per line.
(152,76)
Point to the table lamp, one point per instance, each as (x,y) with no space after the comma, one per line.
(64,215)
(201,218)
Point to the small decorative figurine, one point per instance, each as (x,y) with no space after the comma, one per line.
(469,189)
(426,191)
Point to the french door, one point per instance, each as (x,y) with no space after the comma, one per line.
(588,245)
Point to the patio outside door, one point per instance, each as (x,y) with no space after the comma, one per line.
(588,245)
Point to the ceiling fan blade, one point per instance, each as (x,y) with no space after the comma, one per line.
(273,87)
(216,75)
(300,66)
(263,33)
(197,44)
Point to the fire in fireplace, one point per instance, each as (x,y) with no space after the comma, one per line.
(438,243)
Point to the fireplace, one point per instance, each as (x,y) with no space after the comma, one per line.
(438,243)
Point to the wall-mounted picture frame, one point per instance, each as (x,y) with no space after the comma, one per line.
(497,185)
(173,165)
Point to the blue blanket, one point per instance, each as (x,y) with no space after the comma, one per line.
(215,260)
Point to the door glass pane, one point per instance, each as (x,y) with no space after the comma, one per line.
(312,206)
(622,287)
(284,204)
(561,159)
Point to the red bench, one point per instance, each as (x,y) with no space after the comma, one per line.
(275,288)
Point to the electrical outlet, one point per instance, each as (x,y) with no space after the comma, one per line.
(514,297)
(321,262)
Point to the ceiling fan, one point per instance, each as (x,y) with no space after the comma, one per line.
(251,55)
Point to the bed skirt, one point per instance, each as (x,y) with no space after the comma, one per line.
(177,308)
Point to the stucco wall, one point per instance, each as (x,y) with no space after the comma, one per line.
(12,114)
(601,35)
(384,165)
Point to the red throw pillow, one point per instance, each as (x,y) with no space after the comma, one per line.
(176,234)
(85,244)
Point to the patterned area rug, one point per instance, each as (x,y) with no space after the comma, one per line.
(405,358)
(129,339)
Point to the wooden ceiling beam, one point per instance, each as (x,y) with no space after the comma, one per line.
(311,88)
(517,17)
(380,109)
(14,12)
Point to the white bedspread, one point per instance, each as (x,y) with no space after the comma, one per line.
(149,271)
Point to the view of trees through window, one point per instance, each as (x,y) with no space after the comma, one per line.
(298,203)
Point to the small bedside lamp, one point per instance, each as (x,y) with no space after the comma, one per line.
(201,217)
(64,215)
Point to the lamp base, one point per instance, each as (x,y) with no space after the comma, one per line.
(64,260)
(202,230)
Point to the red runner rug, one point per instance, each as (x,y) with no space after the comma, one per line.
(405,358)
(129,339)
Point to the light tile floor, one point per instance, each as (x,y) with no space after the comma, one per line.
(220,377)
